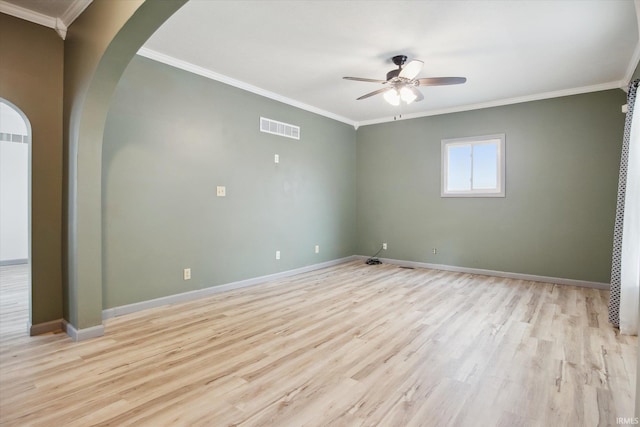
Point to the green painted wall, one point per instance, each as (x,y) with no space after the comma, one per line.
(170,138)
(31,78)
(557,218)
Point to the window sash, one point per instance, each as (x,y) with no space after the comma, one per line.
(451,185)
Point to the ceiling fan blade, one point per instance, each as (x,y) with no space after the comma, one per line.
(375,92)
(412,69)
(417,93)
(441,81)
(360,79)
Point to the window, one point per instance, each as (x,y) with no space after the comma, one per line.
(473,167)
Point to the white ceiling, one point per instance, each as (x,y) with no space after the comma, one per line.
(297,51)
(510,51)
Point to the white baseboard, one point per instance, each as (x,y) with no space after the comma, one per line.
(83,334)
(46,327)
(200,293)
(98,330)
(483,272)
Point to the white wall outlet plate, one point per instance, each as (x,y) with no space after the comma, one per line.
(317,249)
(277,254)
(276,158)
(384,246)
(186,274)
(221,191)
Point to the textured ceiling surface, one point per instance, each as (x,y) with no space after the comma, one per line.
(300,50)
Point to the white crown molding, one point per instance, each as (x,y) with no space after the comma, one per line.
(74,10)
(192,68)
(61,28)
(27,15)
(60,24)
(204,72)
(195,69)
(500,102)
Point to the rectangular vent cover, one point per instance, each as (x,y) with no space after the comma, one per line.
(13,137)
(279,128)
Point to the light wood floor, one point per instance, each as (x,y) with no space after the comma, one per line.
(347,346)
(14,304)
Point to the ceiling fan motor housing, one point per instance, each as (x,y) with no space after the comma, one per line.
(399,60)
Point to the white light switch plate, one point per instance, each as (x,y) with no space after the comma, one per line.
(221,191)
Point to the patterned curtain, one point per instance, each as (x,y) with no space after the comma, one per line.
(614,296)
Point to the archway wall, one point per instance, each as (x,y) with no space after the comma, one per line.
(99,45)
(28,49)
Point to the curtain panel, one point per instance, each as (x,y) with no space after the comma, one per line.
(616,315)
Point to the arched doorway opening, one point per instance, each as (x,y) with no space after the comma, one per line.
(99,46)
(15,221)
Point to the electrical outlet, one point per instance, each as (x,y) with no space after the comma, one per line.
(186,274)
(435,251)
(277,254)
(276,158)
(221,191)
(317,249)
(384,246)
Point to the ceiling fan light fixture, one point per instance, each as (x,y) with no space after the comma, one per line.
(392,97)
(407,95)
(402,84)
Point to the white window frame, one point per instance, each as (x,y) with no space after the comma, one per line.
(473,140)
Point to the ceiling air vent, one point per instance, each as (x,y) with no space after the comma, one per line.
(279,128)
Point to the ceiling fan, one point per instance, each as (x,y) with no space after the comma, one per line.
(401,84)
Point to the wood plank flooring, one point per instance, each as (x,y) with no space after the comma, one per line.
(14,303)
(351,345)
